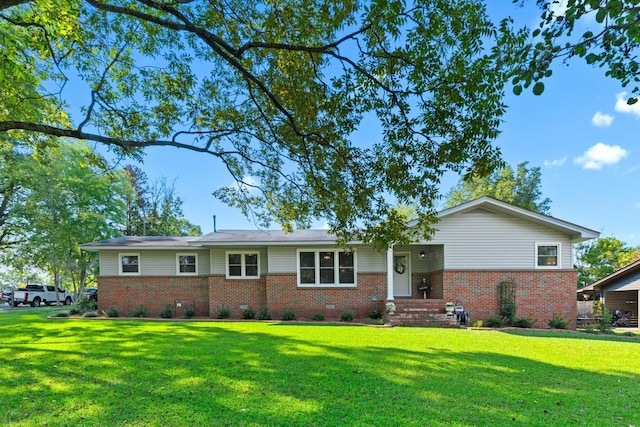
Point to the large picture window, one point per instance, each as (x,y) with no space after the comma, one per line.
(129,263)
(547,255)
(187,264)
(243,265)
(326,268)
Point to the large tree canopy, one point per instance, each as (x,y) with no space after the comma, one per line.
(275,91)
(599,258)
(604,33)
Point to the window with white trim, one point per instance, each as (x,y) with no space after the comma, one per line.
(129,263)
(326,268)
(187,264)
(547,255)
(243,265)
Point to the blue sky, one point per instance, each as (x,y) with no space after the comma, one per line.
(580,132)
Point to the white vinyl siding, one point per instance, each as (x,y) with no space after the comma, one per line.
(283,259)
(485,240)
(151,263)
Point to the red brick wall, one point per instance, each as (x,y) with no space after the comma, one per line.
(126,293)
(231,294)
(283,292)
(539,294)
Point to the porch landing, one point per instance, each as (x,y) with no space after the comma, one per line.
(421,312)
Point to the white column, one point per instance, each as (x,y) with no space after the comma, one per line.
(390,273)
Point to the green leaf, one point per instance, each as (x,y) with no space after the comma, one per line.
(632,101)
(517,90)
(538,88)
(602,13)
(592,57)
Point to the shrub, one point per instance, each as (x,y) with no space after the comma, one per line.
(346,316)
(140,311)
(167,313)
(523,322)
(75,309)
(477,324)
(288,314)
(61,314)
(604,320)
(318,316)
(495,322)
(264,314)
(375,314)
(112,312)
(223,313)
(248,314)
(557,322)
(189,313)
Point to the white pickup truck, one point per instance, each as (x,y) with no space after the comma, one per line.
(37,294)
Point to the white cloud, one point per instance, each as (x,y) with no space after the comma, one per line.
(623,107)
(600,155)
(555,163)
(602,120)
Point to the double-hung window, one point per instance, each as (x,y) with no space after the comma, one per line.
(129,263)
(243,265)
(547,255)
(326,268)
(187,264)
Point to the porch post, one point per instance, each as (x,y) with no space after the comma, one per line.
(390,273)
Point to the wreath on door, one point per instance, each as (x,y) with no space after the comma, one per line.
(400,267)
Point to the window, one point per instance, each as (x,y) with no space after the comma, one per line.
(547,255)
(243,265)
(187,264)
(129,263)
(326,268)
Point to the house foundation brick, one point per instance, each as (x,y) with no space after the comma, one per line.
(154,293)
(540,294)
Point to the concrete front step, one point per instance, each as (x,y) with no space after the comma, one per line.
(421,312)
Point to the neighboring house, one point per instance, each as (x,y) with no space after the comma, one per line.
(476,246)
(617,291)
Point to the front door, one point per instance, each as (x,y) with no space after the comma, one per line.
(401,275)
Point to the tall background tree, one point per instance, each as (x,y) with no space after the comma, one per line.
(601,257)
(274,91)
(522,188)
(72,197)
(154,209)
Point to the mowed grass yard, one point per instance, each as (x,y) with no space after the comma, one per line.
(83,372)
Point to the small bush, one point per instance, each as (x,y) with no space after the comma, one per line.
(264,314)
(75,310)
(375,314)
(189,313)
(140,311)
(477,324)
(61,314)
(523,322)
(167,313)
(112,312)
(557,322)
(495,322)
(248,314)
(223,313)
(318,316)
(604,321)
(346,316)
(288,314)
(90,314)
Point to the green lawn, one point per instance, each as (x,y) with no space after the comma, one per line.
(81,372)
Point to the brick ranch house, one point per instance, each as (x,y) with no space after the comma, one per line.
(476,247)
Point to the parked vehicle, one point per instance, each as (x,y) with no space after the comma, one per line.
(6,295)
(92,294)
(38,294)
